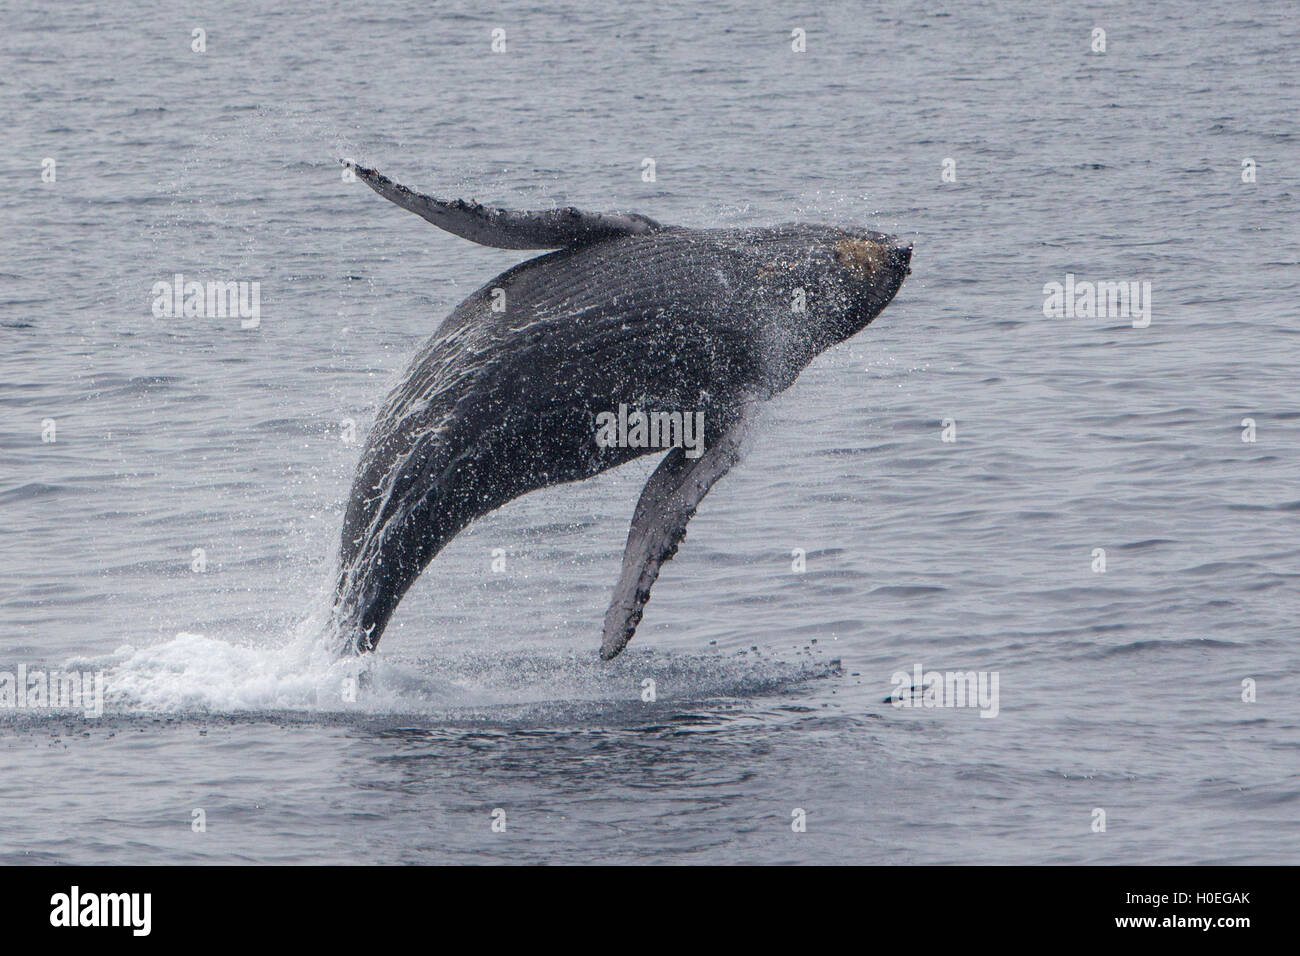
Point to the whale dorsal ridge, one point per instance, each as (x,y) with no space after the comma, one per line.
(504,228)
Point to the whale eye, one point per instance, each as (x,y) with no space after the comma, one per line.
(860,256)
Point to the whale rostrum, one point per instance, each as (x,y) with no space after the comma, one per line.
(630,338)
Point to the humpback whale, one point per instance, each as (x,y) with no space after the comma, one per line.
(518,388)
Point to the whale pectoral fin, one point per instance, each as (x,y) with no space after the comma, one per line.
(667,503)
(502,228)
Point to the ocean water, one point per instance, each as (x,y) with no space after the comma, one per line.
(186,443)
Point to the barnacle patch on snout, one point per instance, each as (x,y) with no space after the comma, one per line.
(860,256)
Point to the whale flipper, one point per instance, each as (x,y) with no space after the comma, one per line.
(506,229)
(667,503)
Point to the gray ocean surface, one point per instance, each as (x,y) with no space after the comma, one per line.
(1119,691)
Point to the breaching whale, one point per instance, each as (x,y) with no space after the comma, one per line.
(517,388)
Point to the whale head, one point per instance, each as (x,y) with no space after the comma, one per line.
(866,272)
(824,284)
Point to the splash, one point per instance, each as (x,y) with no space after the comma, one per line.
(194,673)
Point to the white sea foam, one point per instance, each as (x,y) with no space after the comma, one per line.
(199,672)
